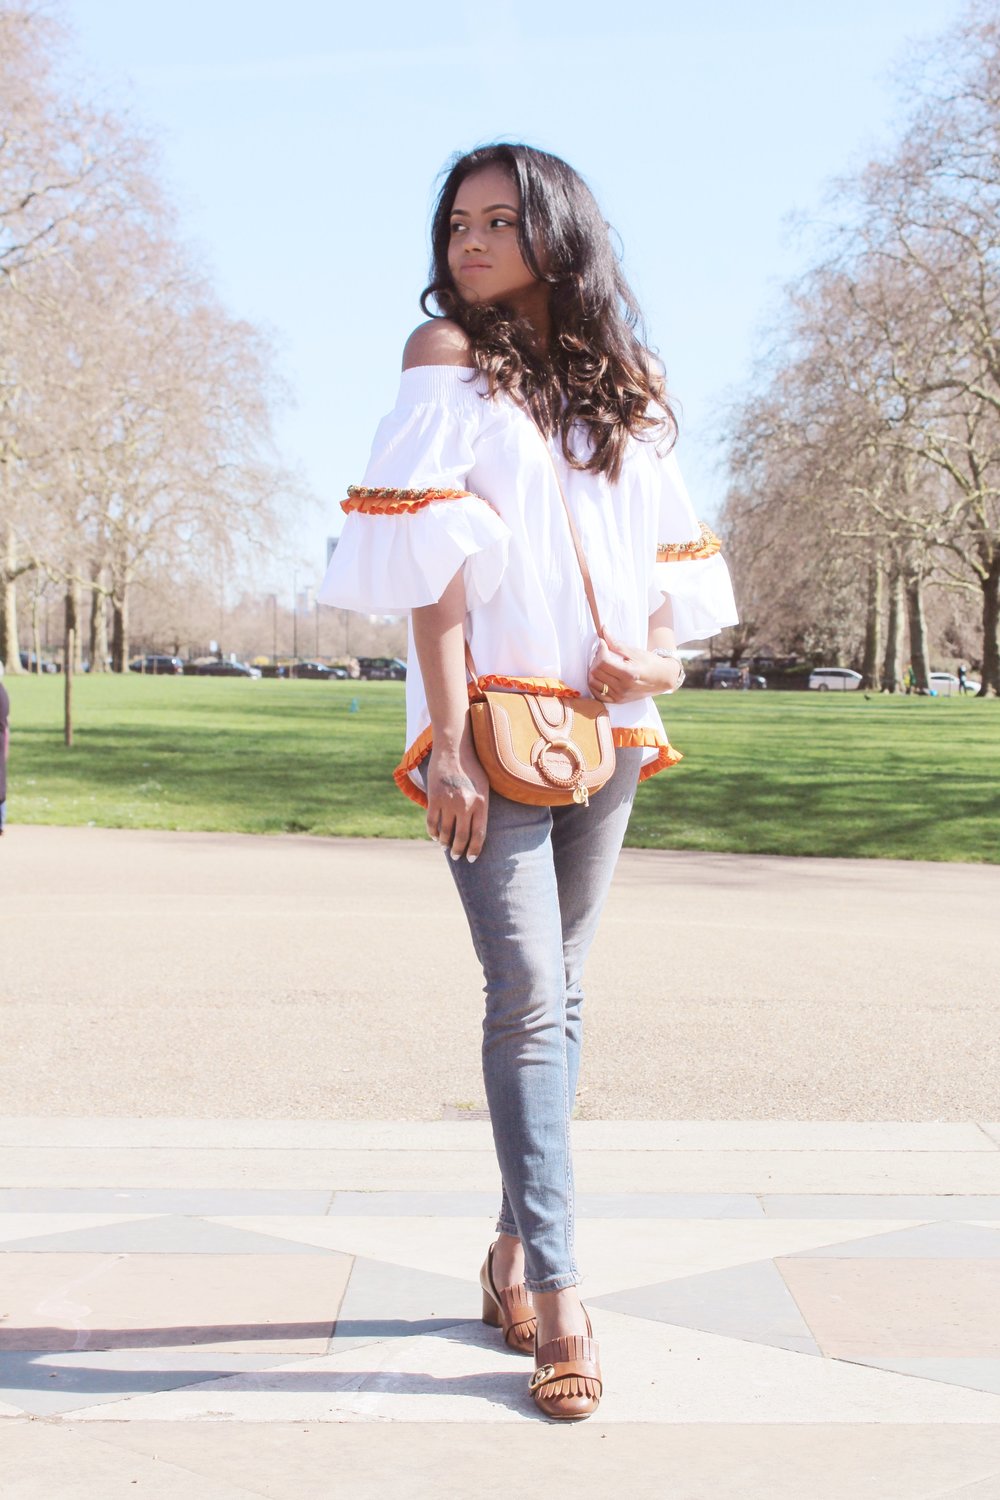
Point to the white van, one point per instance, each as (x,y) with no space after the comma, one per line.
(839,678)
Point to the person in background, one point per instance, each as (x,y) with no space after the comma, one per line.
(963,686)
(4,747)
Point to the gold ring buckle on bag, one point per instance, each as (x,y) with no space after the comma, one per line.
(544,769)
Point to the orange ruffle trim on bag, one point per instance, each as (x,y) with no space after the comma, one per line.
(707,545)
(391,502)
(624,739)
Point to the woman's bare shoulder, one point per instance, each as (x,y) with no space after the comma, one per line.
(438,342)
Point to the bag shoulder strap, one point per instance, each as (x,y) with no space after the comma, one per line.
(588,582)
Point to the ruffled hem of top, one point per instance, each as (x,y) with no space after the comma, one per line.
(401,775)
(622,738)
(545,687)
(635,739)
(392,560)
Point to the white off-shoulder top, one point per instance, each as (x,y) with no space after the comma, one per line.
(458,481)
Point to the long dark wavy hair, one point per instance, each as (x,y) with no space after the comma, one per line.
(597,369)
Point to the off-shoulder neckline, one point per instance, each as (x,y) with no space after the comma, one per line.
(459,369)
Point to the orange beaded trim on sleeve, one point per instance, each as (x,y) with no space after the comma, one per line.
(707,545)
(391,502)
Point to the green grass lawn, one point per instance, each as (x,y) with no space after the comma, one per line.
(773,773)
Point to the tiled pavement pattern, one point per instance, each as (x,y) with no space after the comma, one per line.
(289,1309)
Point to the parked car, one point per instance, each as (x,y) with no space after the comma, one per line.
(226,669)
(732,677)
(170,666)
(945,684)
(382,668)
(319,670)
(28,660)
(840,679)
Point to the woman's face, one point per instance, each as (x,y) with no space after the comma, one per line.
(483,253)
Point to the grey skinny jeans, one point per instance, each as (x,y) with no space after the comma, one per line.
(533,900)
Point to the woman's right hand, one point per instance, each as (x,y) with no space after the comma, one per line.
(458,798)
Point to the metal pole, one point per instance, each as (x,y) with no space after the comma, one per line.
(295,616)
(68,688)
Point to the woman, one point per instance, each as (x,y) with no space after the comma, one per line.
(530,378)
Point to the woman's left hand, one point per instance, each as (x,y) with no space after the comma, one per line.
(622,674)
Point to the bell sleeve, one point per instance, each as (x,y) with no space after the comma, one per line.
(688,568)
(414,522)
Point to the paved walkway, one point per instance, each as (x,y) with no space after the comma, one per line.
(234,1309)
(238,1252)
(148,973)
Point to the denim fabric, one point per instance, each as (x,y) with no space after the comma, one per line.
(533,900)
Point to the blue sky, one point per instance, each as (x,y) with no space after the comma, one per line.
(303,141)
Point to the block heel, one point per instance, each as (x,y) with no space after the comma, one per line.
(491,1313)
(509,1310)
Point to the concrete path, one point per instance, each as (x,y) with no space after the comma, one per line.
(289,1309)
(239,1244)
(206,975)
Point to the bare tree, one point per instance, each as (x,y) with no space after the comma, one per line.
(928,240)
(135,413)
(878,431)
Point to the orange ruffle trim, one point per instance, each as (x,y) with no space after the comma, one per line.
(635,739)
(545,687)
(707,545)
(392,502)
(624,739)
(414,755)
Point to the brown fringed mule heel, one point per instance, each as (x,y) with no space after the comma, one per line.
(567,1381)
(510,1310)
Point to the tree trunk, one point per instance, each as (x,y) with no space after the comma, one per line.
(73,624)
(892,665)
(98,627)
(69,655)
(36,630)
(870,674)
(991,631)
(119,630)
(918,633)
(10,649)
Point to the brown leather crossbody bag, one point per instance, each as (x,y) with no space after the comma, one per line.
(537,749)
